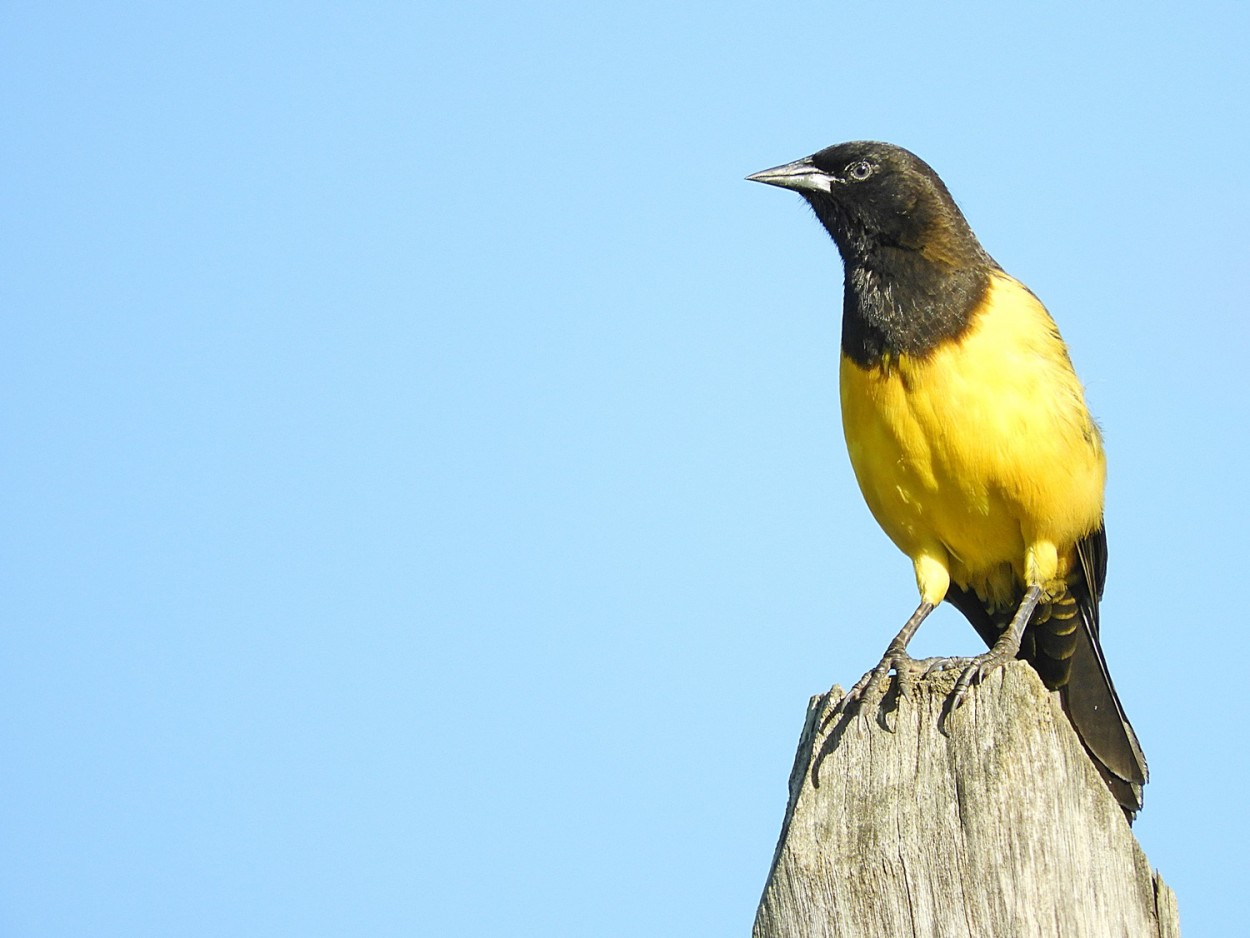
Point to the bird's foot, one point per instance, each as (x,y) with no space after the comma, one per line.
(904,666)
(972,671)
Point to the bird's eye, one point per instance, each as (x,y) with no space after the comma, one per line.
(860,170)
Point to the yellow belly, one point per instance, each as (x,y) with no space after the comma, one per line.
(980,461)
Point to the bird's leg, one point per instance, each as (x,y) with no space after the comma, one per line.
(1004,650)
(895,658)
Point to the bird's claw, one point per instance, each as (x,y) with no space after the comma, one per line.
(938,665)
(906,670)
(972,671)
(896,660)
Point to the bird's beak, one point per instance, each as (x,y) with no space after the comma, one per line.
(801,176)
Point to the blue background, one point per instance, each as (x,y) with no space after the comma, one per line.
(425,509)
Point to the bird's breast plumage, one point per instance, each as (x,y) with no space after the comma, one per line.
(980,448)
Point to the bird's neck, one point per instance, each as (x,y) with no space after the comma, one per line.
(898,302)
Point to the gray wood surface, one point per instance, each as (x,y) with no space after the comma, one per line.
(999,827)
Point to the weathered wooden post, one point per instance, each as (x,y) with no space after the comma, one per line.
(990,822)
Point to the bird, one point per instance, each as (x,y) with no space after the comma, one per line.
(971,440)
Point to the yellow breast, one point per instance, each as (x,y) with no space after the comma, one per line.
(981,449)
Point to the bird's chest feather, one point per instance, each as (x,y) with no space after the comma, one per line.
(980,446)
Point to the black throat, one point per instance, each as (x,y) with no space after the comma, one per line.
(899,302)
(910,289)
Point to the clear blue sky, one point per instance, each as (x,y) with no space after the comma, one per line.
(425,508)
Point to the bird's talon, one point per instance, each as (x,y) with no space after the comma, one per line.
(898,662)
(938,665)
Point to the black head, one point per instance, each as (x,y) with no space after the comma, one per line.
(915,272)
(872,196)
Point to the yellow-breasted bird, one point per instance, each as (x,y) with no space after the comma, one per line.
(970,438)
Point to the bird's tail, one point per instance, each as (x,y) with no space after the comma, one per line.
(1068,655)
(1061,642)
(1090,700)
